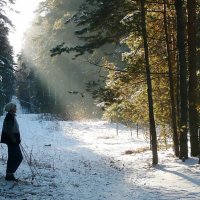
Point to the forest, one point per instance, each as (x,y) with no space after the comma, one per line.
(134,62)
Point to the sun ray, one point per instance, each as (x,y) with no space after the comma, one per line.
(21,17)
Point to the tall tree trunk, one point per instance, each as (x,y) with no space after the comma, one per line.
(192,93)
(183,78)
(171,84)
(149,86)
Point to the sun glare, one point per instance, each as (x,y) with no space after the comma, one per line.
(21,20)
(58,82)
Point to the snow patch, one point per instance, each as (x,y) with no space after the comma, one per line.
(78,160)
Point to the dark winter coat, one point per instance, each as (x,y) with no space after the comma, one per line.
(10,131)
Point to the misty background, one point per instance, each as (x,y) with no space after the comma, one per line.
(56,84)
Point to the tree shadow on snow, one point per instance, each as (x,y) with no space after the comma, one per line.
(189,167)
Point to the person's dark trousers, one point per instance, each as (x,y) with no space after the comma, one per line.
(14,158)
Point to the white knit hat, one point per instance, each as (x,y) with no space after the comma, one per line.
(9,107)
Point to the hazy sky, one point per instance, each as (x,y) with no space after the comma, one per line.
(21,21)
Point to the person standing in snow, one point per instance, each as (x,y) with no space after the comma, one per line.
(11,136)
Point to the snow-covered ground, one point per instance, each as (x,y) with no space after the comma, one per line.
(86,160)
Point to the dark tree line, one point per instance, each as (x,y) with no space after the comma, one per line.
(33,94)
(7,79)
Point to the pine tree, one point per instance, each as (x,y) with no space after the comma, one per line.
(192,62)
(181,32)
(149,86)
(171,82)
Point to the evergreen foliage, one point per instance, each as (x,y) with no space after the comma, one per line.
(99,23)
(7,80)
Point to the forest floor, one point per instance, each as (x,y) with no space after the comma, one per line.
(87,160)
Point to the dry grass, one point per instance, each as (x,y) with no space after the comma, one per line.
(139,150)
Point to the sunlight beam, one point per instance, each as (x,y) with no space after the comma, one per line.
(21,20)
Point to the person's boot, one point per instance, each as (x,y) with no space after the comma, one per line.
(10,177)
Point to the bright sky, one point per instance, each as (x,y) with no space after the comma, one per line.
(21,21)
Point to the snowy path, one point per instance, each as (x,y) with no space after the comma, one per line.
(86,161)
